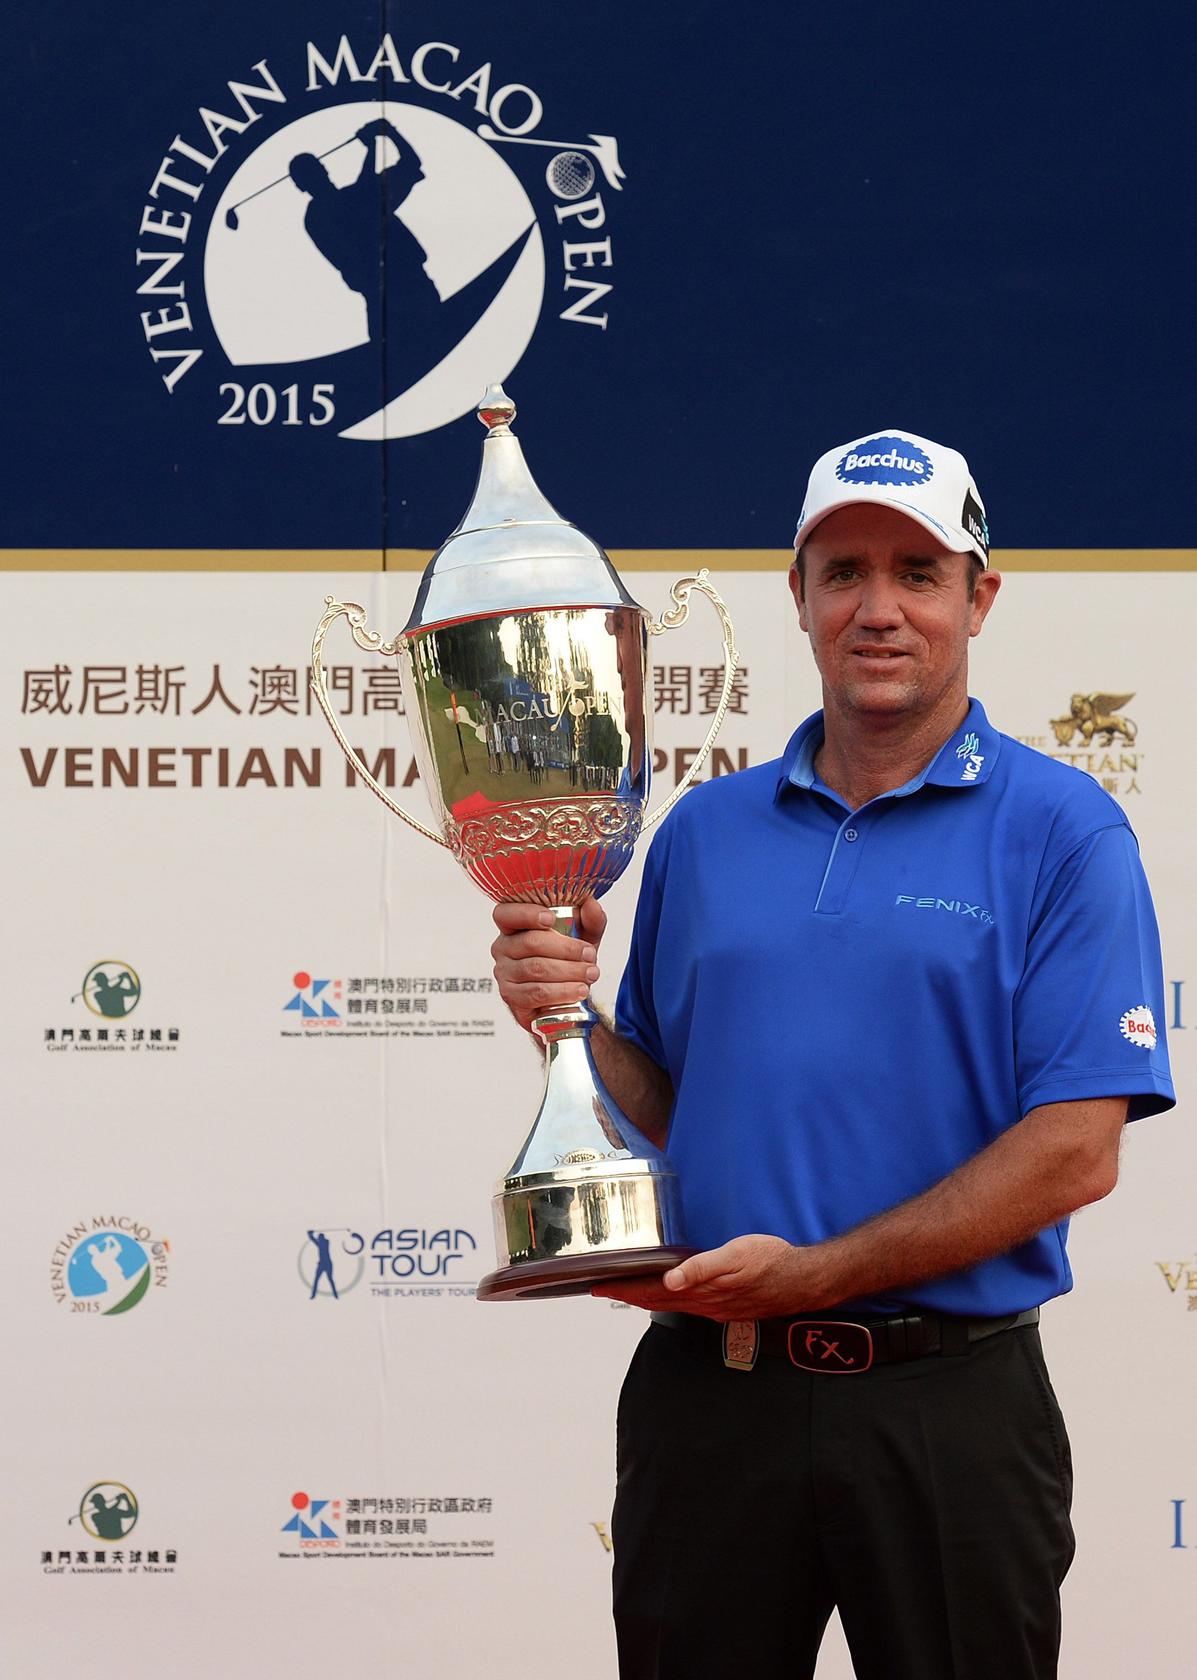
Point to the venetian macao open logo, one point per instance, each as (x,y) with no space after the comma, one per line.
(266,228)
(884,460)
(108,1264)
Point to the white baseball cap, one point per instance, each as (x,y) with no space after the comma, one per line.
(920,478)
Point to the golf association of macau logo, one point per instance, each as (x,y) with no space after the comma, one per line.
(110,990)
(108,1265)
(108,1511)
(285,195)
(107,1515)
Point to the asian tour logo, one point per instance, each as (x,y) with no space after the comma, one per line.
(396,1261)
(108,1265)
(885,460)
(398,220)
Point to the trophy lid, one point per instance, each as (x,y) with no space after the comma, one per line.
(512,552)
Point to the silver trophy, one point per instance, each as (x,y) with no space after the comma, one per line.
(525,673)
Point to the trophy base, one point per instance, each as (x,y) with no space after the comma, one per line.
(539,1280)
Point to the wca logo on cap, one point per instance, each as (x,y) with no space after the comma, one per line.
(972,517)
(885,460)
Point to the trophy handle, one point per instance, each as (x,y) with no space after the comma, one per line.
(371,642)
(669,620)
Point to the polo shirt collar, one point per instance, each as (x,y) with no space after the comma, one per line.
(966,758)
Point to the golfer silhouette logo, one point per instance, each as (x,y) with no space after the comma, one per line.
(108,1511)
(344,225)
(110,989)
(338,1267)
(109,1272)
(324,1268)
(378,239)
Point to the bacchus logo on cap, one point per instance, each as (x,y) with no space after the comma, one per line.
(884,460)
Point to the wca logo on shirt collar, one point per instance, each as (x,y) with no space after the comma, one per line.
(973,760)
(955,907)
(885,460)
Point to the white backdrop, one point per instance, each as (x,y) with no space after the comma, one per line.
(227,1391)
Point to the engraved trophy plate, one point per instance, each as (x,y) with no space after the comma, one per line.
(526,678)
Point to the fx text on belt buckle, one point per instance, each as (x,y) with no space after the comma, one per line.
(817,1344)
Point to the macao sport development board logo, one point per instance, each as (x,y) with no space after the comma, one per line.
(310,1519)
(347,206)
(108,1265)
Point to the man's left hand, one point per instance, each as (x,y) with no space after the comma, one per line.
(749,1277)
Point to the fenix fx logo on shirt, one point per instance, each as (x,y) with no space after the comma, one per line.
(954,906)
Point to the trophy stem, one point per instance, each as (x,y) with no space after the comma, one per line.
(588,1196)
(565,1020)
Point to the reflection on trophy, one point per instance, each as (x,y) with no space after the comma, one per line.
(525,673)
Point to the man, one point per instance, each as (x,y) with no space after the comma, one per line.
(892,997)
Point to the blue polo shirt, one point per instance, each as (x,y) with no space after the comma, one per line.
(852,1003)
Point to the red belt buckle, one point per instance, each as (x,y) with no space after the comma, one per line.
(819,1344)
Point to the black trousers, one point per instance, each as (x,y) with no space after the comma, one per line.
(928,1502)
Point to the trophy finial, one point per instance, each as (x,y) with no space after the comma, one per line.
(512,551)
(496,411)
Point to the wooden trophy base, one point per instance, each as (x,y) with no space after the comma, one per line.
(539,1280)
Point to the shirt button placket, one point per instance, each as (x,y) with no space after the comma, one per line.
(841,869)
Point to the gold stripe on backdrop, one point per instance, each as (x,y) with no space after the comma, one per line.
(626,559)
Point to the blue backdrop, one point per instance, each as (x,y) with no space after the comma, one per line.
(974,223)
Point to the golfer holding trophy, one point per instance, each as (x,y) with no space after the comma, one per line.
(526,678)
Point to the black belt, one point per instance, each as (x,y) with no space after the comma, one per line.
(842,1346)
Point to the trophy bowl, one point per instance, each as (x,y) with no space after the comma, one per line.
(526,679)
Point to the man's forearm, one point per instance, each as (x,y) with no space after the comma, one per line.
(1030,1178)
(642,1089)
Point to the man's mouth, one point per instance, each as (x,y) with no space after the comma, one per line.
(878,653)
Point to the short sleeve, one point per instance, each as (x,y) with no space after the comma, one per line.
(635,1012)
(1089,1011)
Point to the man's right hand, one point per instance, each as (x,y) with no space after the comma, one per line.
(537,968)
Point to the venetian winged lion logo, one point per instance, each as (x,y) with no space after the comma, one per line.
(1095,717)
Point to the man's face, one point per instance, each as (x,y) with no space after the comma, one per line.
(888,611)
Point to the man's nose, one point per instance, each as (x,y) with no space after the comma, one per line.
(880,605)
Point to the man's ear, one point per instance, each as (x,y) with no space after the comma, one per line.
(796,590)
(984,595)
